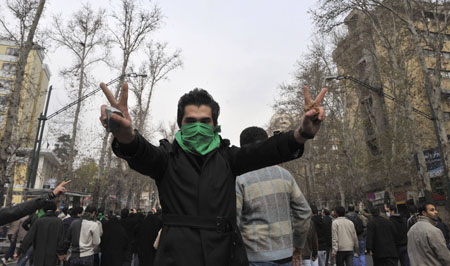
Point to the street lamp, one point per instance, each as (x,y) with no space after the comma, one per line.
(431,117)
(33,165)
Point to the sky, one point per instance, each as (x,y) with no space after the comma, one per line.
(239,51)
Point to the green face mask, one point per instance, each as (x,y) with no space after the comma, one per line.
(198,138)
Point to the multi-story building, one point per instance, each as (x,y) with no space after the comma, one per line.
(363,55)
(33,95)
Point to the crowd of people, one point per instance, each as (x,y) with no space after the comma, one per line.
(222,206)
(83,237)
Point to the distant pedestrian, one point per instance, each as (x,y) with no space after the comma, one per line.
(115,244)
(401,242)
(83,236)
(74,214)
(322,224)
(381,236)
(426,243)
(17,235)
(344,239)
(148,231)
(309,252)
(360,232)
(45,235)
(414,216)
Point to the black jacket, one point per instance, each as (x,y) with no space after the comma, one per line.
(381,235)
(115,245)
(202,187)
(323,230)
(12,213)
(401,228)
(147,233)
(67,222)
(46,236)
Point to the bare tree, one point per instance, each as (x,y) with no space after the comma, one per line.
(132,28)
(84,36)
(400,38)
(27,13)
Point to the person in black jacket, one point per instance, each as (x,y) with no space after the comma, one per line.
(115,244)
(75,213)
(323,230)
(12,213)
(147,233)
(381,235)
(401,242)
(46,236)
(196,174)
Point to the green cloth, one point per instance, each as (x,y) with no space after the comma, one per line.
(41,212)
(198,138)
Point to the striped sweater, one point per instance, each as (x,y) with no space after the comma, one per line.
(272,214)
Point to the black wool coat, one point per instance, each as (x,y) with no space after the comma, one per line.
(115,244)
(147,233)
(201,186)
(46,236)
(381,238)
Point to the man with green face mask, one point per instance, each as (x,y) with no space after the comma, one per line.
(196,175)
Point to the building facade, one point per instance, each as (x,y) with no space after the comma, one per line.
(33,94)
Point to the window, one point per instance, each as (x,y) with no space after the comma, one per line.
(3,103)
(5,86)
(445,74)
(447,116)
(12,51)
(430,53)
(8,70)
(9,67)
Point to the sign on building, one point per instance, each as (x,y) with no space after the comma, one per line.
(433,162)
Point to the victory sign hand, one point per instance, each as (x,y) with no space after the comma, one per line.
(313,117)
(124,134)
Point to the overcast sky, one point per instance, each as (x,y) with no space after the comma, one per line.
(240,51)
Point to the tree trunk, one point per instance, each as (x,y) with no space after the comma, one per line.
(75,122)
(15,98)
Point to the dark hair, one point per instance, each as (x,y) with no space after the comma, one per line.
(197,97)
(65,210)
(375,211)
(393,208)
(351,208)
(412,209)
(75,211)
(49,205)
(90,209)
(252,135)
(124,213)
(340,211)
(326,211)
(423,206)
(101,210)
(314,209)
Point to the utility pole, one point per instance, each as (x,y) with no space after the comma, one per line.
(33,164)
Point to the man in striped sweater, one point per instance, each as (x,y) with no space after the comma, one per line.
(265,200)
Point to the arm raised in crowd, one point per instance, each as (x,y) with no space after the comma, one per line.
(12,213)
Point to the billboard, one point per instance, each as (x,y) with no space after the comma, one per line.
(433,162)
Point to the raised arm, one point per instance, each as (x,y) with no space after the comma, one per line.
(12,213)
(140,154)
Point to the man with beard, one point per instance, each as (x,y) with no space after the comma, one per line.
(196,174)
(426,243)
